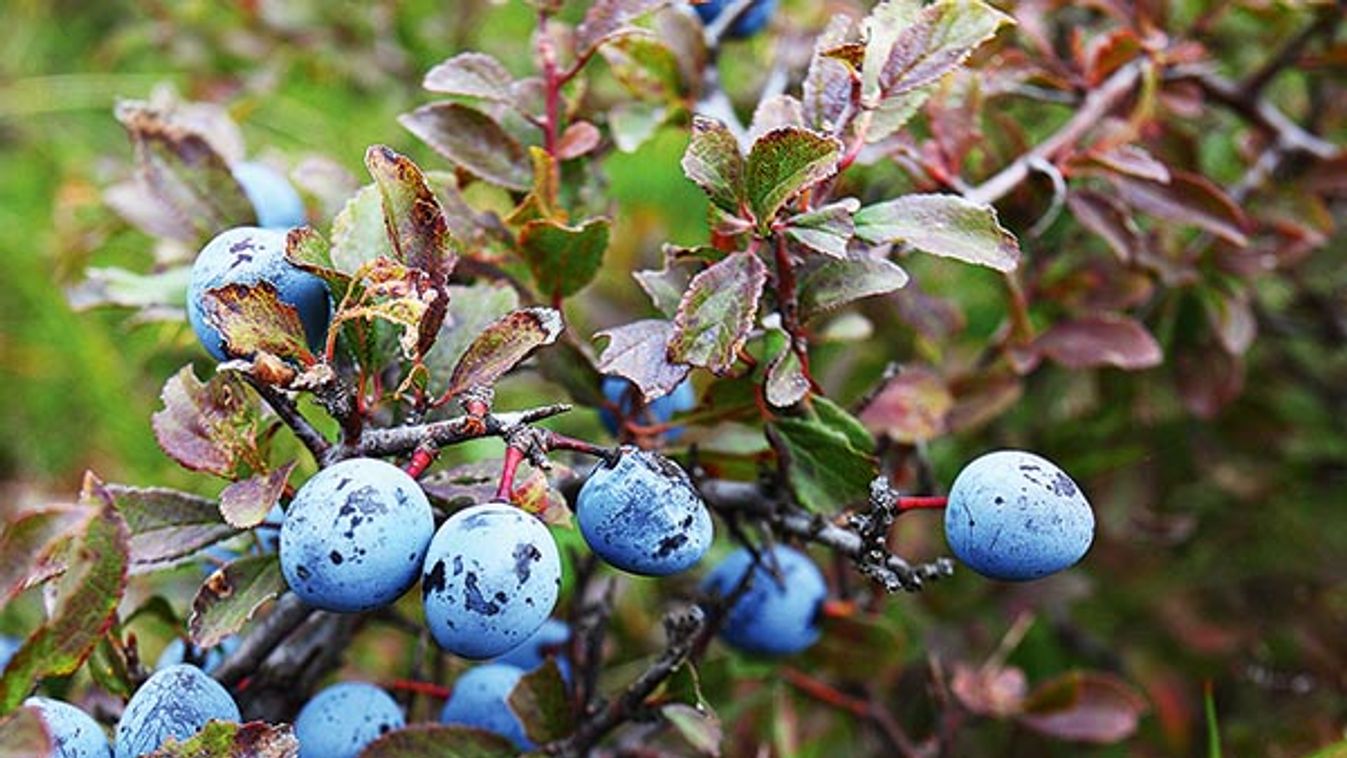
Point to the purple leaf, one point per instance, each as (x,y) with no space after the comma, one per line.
(713,162)
(639,351)
(473,140)
(502,345)
(245,503)
(1084,707)
(717,311)
(1188,199)
(230,596)
(207,427)
(1100,340)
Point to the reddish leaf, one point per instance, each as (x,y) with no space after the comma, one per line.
(639,351)
(995,691)
(225,739)
(230,596)
(911,408)
(473,140)
(579,138)
(501,346)
(415,222)
(980,400)
(1102,340)
(606,19)
(533,492)
(717,311)
(1187,199)
(1208,379)
(29,541)
(1084,707)
(470,74)
(207,427)
(713,162)
(84,605)
(245,503)
(252,319)
(826,92)
(1232,319)
(835,283)
(421,740)
(1108,52)
(166,525)
(941,38)
(1133,161)
(1109,219)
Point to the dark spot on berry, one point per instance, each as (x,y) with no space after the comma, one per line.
(525,553)
(345,480)
(473,600)
(458,565)
(303,571)
(335,557)
(670,544)
(433,581)
(1063,486)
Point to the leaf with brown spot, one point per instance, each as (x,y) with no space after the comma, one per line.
(717,312)
(415,221)
(533,492)
(225,739)
(502,345)
(639,351)
(208,427)
(230,596)
(245,503)
(251,318)
(84,605)
(30,540)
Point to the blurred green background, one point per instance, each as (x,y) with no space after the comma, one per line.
(1222,543)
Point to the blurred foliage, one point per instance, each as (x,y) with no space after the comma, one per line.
(1220,555)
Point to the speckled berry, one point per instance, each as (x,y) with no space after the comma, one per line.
(643,515)
(549,639)
(175,702)
(627,398)
(74,734)
(1015,516)
(491,578)
(480,699)
(774,616)
(248,255)
(274,199)
(355,536)
(342,719)
(748,24)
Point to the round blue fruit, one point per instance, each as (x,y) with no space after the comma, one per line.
(749,23)
(355,536)
(550,639)
(643,515)
(342,719)
(74,734)
(481,698)
(1015,516)
(249,255)
(274,199)
(175,702)
(773,616)
(627,398)
(491,578)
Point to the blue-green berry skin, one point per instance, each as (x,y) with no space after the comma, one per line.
(624,395)
(175,652)
(275,200)
(1016,516)
(74,734)
(772,617)
(480,699)
(643,515)
(549,639)
(491,578)
(249,255)
(355,536)
(342,719)
(748,24)
(175,702)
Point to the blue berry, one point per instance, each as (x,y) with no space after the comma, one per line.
(355,536)
(175,702)
(175,652)
(248,255)
(74,734)
(1015,516)
(748,24)
(643,515)
(627,398)
(492,577)
(773,617)
(481,699)
(342,719)
(550,639)
(274,199)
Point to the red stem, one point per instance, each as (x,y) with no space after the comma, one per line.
(513,457)
(422,688)
(562,442)
(422,457)
(913,503)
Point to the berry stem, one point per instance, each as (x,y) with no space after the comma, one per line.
(422,457)
(513,457)
(914,503)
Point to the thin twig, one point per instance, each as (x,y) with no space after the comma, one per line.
(404,439)
(286,616)
(287,412)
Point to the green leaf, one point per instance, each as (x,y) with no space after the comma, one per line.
(700,728)
(540,702)
(607,19)
(413,217)
(830,456)
(162,293)
(827,229)
(471,310)
(665,286)
(564,258)
(305,248)
(473,140)
(432,740)
(208,427)
(786,381)
(835,283)
(894,112)
(1214,729)
(938,41)
(28,542)
(166,525)
(179,165)
(23,734)
(230,596)
(782,163)
(471,74)
(713,162)
(645,66)
(245,503)
(639,351)
(717,312)
(85,601)
(358,232)
(502,345)
(944,225)
(226,739)
(251,319)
